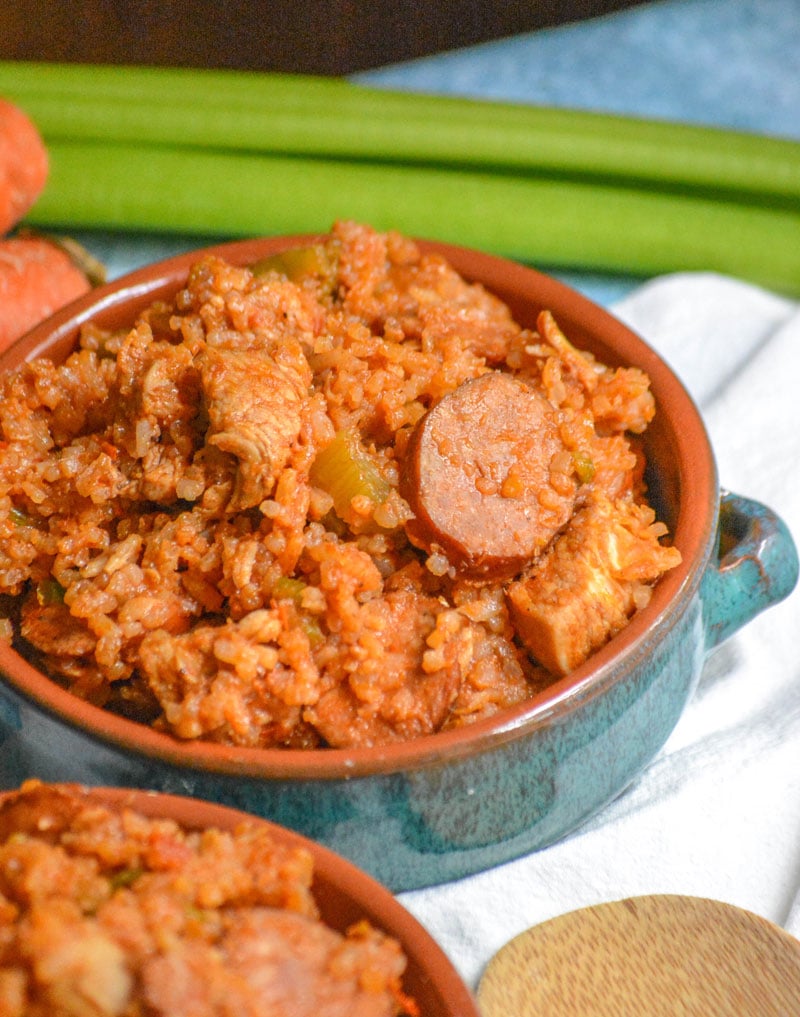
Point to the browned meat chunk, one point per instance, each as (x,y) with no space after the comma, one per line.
(54,631)
(157,388)
(255,410)
(290,963)
(43,811)
(589,583)
(392,691)
(494,678)
(244,682)
(487,476)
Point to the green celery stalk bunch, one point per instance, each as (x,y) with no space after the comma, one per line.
(234,153)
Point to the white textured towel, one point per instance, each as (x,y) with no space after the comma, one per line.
(717,813)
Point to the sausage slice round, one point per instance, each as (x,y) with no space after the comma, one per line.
(488,477)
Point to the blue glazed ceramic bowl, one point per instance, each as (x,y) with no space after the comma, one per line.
(461,801)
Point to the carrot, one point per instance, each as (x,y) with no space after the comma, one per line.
(37,276)
(23,164)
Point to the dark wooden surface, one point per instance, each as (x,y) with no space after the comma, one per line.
(315,36)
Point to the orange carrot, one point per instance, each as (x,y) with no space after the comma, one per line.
(36,278)
(23,164)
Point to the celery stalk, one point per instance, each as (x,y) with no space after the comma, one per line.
(239,153)
(551,221)
(305,115)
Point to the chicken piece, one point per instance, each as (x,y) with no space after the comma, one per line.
(386,277)
(290,963)
(79,969)
(158,387)
(43,811)
(389,686)
(53,630)
(480,328)
(244,683)
(592,579)
(494,677)
(620,398)
(255,408)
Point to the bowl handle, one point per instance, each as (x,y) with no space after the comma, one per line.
(756,566)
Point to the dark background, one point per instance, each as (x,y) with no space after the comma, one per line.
(309,36)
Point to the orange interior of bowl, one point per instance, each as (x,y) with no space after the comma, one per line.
(681,476)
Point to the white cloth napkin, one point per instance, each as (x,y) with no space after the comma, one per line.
(717,814)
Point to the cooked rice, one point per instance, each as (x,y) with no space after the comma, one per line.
(175,547)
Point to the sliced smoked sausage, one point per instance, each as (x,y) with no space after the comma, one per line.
(488,477)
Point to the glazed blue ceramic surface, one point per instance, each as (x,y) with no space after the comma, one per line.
(452,817)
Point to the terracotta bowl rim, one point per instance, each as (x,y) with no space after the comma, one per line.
(694,533)
(427,961)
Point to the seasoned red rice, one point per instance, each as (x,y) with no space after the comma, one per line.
(105,912)
(206,520)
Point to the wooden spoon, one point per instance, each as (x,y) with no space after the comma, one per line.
(654,956)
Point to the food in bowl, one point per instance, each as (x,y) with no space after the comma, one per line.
(421,811)
(335,498)
(106,910)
